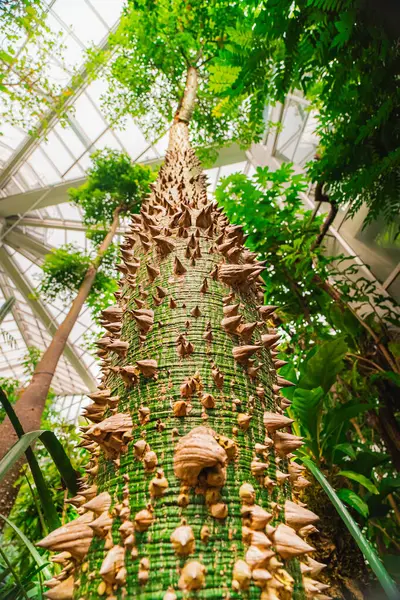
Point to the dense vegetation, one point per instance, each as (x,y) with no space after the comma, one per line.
(346,388)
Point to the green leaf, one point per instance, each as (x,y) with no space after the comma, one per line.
(361,479)
(307,407)
(324,365)
(352,499)
(58,454)
(55,449)
(346,449)
(343,413)
(388,375)
(30,547)
(387,485)
(369,553)
(366,460)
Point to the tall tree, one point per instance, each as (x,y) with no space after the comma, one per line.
(113,188)
(190,486)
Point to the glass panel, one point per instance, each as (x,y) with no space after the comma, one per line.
(29,176)
(108,141)
(81,19)
(59,155)
(88,118)
(70,139)
(46,172)
(75,173)
(211,178)
(394,289)
(11,188)
(110,10)
(133,139)
(234,168)
(378,244)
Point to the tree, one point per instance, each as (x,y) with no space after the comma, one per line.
(189,444)
(344,56)
(111,199)
(150,53)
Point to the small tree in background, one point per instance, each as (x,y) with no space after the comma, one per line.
(112,196)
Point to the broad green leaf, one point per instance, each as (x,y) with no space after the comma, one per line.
(323,367)
(369,553)
(342,415)
(352,499)
(55,449)
(388,485)
(57,452)
(288,372)
(307,407)
(361,479)
(49,509)
(388,375)
(346,449)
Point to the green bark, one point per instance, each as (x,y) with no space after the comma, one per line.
(152,564)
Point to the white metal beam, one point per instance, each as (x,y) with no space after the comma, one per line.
(42,313)
(18,240)
(28,201)
(31,141)
(48,223)
(18,317)
(22,204)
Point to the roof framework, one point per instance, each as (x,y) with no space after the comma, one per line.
(36,173)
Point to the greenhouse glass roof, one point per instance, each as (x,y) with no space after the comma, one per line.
(35,215)
(36,173)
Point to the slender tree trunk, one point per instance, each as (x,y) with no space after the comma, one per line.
(190,473)
(29,407)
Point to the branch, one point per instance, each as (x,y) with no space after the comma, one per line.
(187,61)
(321,197)
(186,105)
(336,296)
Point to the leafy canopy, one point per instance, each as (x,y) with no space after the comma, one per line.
(342,383)
(113,181)
(343,54)
(153,47)
(64,270)
(28,46)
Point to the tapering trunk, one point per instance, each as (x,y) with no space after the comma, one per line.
(30,406)
(190,476)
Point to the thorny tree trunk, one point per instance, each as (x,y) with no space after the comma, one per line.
(30,406)
(190,475)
